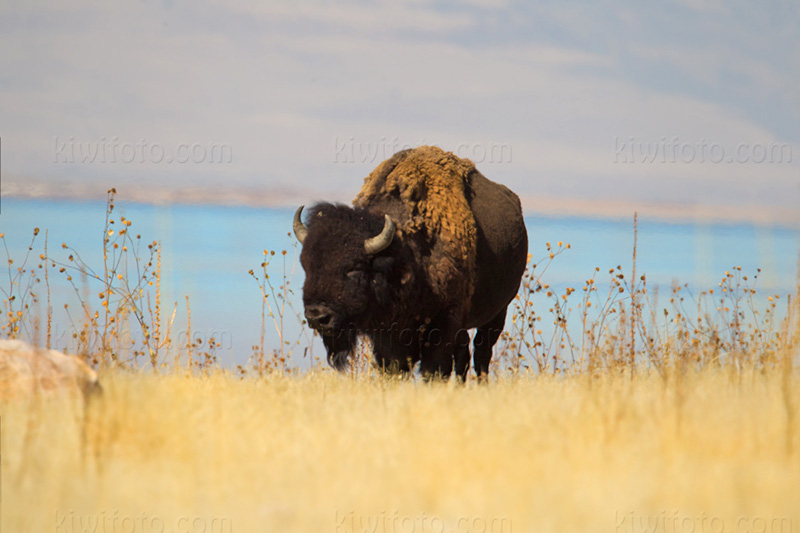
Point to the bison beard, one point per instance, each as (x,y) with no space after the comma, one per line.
(431,250)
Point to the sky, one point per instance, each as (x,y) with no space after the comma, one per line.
(676,106)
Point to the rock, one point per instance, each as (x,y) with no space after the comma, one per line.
(25,369)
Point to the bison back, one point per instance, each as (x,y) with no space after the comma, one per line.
(501,248)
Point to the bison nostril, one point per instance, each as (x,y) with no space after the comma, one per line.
(319,316)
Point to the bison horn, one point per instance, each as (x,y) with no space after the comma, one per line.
(300,230)
(380,242)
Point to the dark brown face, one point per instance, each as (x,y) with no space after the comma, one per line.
(342,279)
(336,290)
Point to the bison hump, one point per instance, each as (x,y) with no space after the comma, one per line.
(427,191)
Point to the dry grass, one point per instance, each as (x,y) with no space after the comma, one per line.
(611,412)
(304,453)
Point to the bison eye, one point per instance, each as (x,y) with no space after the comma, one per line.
(356,274)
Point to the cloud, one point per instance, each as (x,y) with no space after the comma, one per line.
(282,84)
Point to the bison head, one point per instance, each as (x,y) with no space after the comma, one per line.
(349,266)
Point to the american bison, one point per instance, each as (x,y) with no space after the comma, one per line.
(430,249)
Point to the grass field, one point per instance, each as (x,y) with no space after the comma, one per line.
(613,412)
(324,452)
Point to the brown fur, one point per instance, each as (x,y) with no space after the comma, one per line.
(434,187)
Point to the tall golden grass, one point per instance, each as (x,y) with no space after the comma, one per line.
(609,413)
(322,452)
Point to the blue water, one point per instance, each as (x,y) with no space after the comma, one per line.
(208,250)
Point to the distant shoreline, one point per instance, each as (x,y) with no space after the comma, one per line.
(281,197)
(666,212)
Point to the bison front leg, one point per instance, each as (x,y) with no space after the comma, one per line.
(438,346)
(394,354)
(339,345)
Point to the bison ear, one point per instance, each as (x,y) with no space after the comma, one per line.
(383,264)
